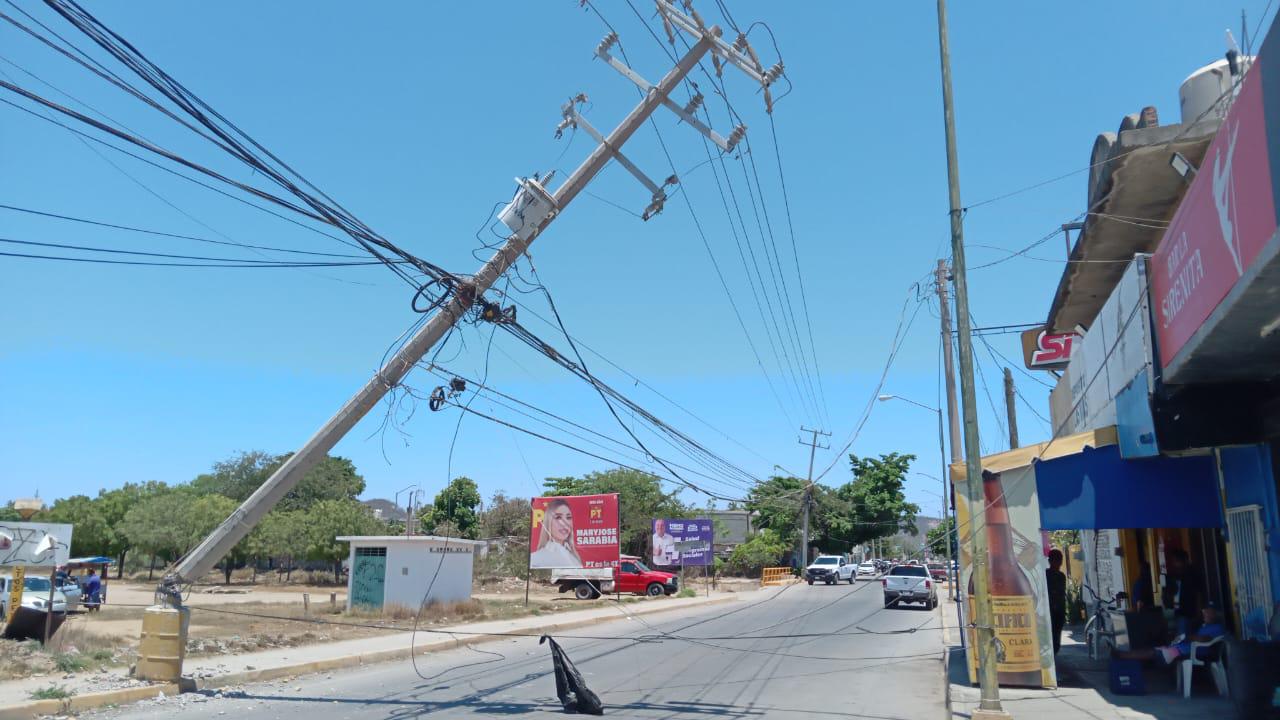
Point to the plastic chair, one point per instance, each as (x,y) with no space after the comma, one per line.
(1216,668)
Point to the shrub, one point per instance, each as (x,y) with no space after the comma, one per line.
(762,550)
(53,692)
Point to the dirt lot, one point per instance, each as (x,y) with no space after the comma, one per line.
(242,619)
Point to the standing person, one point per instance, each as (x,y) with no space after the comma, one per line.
(1143,595)
(556,548)
(1057,584)
(663,545)
(1183,592)
(92,590)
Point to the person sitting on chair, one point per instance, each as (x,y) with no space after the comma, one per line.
(1211,628)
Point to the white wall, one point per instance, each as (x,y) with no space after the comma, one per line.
(411,566)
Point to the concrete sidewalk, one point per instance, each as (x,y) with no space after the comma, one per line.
(1083,690)
(115,687)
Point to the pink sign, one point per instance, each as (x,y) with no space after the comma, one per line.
(1226,218)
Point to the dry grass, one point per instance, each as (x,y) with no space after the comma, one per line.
(73,649)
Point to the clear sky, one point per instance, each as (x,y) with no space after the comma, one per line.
(417,116)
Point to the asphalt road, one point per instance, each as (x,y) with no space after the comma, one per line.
(800,651)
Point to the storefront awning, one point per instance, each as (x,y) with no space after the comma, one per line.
(1083,483)
(1097,488)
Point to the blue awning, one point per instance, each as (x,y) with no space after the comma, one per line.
(1096,488)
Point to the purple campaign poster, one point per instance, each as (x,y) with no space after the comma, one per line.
(681,542)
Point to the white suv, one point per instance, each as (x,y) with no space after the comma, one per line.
(829,569)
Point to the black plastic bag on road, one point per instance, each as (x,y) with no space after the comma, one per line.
(572,690)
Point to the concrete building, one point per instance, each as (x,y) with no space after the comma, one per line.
(395,570)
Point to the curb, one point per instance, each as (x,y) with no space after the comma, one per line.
(89,701)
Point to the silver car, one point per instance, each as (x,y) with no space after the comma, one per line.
(35,594)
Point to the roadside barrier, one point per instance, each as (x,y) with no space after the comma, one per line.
(776,576)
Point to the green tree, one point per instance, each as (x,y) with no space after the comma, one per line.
(640,500)
(8,514)
(283,536)
(114,505)
(236,477)
(333,478)
(764,549)
(872,505)
(506,517)
(92,534)
(938,536)
(455,512)
(778,502)
(201,516)
(329,519)
(156,525)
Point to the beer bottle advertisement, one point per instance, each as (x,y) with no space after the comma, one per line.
(1009,513)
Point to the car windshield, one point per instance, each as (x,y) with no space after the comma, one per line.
(909,570)
(935,566)
(640,566)
(867,565)
(36,584)
(827,561)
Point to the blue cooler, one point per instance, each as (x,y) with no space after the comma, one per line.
(1126,677)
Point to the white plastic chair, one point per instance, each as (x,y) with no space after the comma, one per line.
(1215,666)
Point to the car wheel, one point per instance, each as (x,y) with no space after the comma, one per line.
(811,581)
(654,590)
(584,591)
(888,603)
(850,579)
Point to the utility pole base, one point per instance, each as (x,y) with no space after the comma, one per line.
(164,644)
(990,715)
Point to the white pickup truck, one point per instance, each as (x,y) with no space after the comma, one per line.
(909,583)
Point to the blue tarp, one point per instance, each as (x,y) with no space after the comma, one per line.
(1097,488)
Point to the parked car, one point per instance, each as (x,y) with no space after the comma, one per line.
(632,576)
(937,571)
(867,569)
(29,621)
(909,583)
(829,569)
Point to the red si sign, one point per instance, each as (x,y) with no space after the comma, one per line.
(1042,350)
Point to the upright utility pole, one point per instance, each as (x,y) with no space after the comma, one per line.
(808,490)
(1011,409)
(940,279)
(528,214)
(988,679)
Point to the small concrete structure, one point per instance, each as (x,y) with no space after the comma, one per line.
(397,570)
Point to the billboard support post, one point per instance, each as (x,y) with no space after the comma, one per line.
(528,575)
(48,613)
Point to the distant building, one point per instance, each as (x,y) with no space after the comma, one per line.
(733,527)
(401,571)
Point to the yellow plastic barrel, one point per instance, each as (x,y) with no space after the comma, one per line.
(164,643)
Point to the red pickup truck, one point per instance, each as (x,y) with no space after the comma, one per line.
(632,576)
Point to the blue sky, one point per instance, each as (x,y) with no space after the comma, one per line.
(418,115)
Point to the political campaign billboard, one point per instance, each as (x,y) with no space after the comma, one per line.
(681,542)
(574,531)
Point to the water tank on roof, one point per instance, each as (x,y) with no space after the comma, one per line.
(1204,87)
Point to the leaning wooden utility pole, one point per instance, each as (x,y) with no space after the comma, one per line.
(528,215)
(1011,408)
(989,707)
